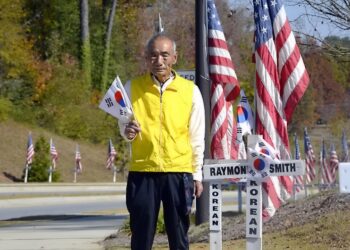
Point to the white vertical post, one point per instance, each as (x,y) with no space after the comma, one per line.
(254,215)
(50,174)
(215,200)
(344,177)
(26,173)
(75,176)
(114,173)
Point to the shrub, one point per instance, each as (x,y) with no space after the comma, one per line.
(5,109)
(160,224)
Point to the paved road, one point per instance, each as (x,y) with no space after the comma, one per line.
(59,216)
(59,232)
(16,208)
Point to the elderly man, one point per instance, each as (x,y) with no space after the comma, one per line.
(167,145)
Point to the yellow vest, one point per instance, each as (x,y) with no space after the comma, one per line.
(164,119)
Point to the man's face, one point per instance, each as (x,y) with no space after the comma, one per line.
(161,57)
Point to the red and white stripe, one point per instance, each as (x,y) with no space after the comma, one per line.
(224,90)
(78,165)
(30,150)
(326,174)
(53,153)
(333,163)
(111,155)
(281,80)
(310,161)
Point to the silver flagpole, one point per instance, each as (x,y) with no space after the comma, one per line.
(26,173)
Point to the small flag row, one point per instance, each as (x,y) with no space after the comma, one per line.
(111,155)
(328,166)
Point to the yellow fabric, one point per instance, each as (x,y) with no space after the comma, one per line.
(164,119)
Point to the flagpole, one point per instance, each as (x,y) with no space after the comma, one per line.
(203,82)
(26,168)
(75,175)
(50,173)
(114,173)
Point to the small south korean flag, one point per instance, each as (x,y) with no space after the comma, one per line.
(116,102)
(260,156)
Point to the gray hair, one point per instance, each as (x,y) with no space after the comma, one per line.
(155,37)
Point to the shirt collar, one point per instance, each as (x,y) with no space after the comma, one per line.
(164,85)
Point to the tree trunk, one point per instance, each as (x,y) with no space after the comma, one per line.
(85,41)
(104,76)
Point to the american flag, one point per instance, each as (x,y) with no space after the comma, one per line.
(224,90)
(297,179)
(326,175)
(53,153)
(344,143)
(310,159)
(30,150)
(333,163)
(281,80)
(78,165)
(111,155)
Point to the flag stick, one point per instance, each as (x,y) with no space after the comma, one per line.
(26,173)
(133,118)
(50,173)
(114,173)
(75,175)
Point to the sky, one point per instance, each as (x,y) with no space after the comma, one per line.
(299,22)
(312,26)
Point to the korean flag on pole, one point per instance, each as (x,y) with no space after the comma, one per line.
(245,119)
(116,102)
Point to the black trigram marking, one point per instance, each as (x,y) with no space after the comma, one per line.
(239,130)
(109,102)
(261,144)
(244,99)
(254,154)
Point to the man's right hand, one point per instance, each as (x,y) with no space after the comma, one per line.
(132,129)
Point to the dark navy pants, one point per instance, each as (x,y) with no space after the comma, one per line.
(144,194)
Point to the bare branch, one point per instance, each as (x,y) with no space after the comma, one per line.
(336,12)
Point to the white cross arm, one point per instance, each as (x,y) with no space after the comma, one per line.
(222,169)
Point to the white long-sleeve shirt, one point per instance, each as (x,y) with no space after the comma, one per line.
(196,127)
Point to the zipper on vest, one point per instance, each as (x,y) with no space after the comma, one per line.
(160,128)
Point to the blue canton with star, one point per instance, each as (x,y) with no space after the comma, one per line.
(213,17)
(265,12)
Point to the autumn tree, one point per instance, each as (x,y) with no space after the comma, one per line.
(17,64)
(329,93)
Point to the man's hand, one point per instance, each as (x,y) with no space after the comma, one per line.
(132,129)
(198,188)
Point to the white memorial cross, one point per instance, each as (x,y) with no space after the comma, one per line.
(255,169)
(344,177)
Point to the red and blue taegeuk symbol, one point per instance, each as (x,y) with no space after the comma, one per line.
(119,98)
(259,164)
(242,114)
(265,151)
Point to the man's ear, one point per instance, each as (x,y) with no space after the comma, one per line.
(175,58)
